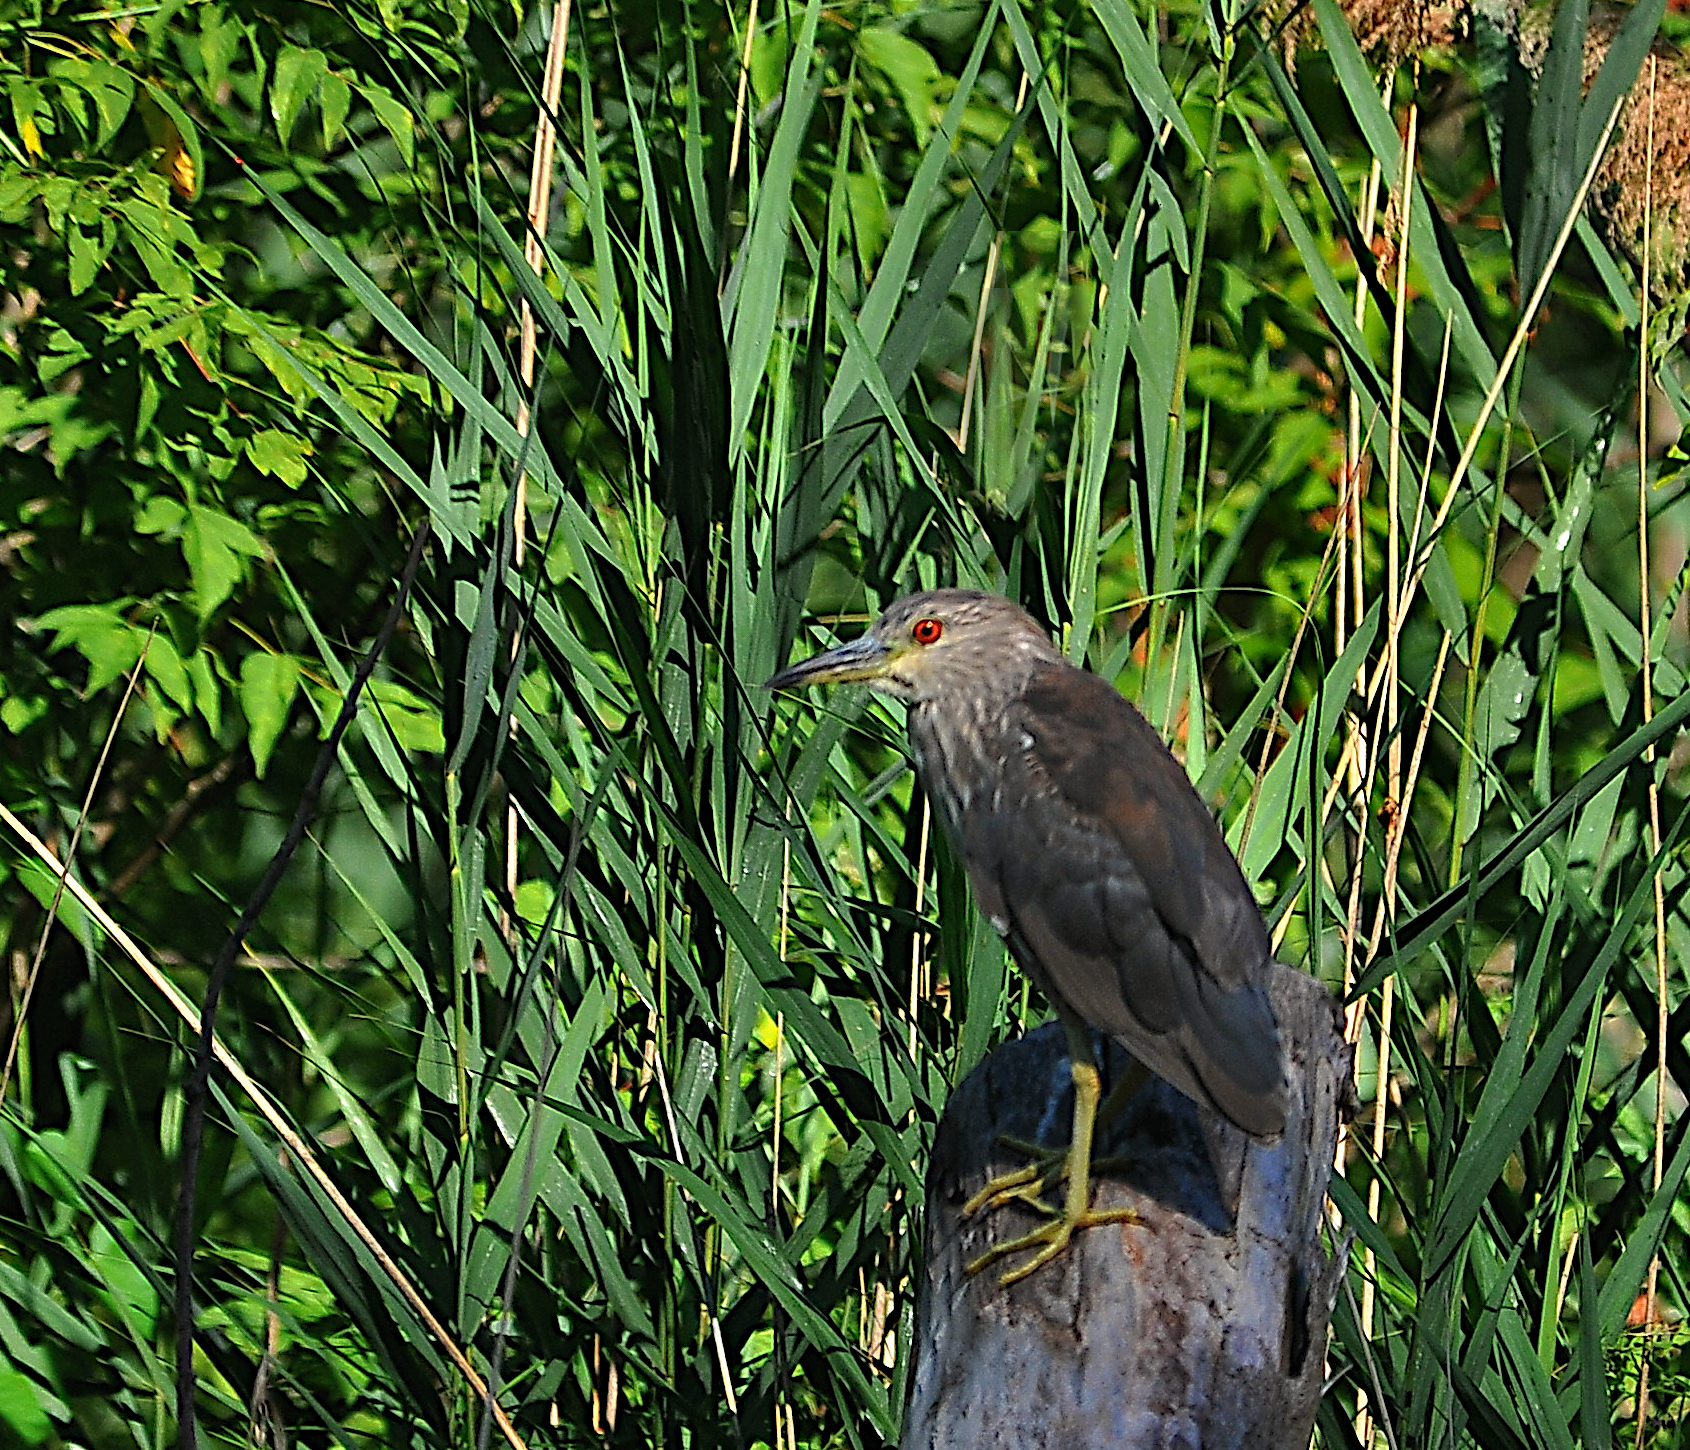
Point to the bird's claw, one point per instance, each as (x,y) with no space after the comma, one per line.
(1048,1240)
(1026,1185)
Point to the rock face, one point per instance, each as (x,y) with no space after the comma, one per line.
(1203,1324)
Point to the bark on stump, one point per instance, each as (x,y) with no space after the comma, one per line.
(1202,1325)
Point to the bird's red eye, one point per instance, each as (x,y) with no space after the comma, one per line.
(926,631)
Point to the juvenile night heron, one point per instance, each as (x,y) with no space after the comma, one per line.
(1091,853)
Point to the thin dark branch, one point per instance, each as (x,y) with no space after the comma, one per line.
(199,1081)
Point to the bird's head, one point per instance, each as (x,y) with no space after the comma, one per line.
(936,645)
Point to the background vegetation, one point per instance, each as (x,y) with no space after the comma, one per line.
(584,1012)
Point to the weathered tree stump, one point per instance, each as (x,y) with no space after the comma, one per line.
(1202,1325)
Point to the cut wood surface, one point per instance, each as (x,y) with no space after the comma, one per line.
(1203,1324)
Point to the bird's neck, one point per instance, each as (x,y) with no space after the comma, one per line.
(959,734)
(953,741)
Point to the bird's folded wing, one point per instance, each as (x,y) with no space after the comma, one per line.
(1119,892)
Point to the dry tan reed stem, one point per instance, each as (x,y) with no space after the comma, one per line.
(20,1018)
(1390,721)
(1169,704)
(1438,397)
(1307,616)
(1421,561)
(274,1117)
(780,1042)
(986,281)
(1278,713)
(1355,729)
(707,1311)
(780,1034)
(733,154)
(534,253)
(1398,827)
(540,195)
(1356,749)
(1644,613)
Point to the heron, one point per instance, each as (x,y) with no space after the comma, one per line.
(1090,852)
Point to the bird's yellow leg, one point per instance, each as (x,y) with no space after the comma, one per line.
(1111,1108)
(1046,1167)
(1026,1184)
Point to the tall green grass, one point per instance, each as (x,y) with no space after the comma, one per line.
(1060,301)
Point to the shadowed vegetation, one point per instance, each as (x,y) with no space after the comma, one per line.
(591,1043)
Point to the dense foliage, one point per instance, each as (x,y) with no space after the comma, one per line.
(591,1042)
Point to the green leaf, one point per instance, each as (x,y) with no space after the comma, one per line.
(1148,86)
(1621,67)
(1593,1400)
(208,689)
(750,322)
(334,99)
(27,105)
(1438,915)
(127,1289)
(214,545)
(776,1275)
(61,352)
(164,664)
(1555,168)
(401,125)
(109,87)
(161,515)
(18,712)
(415,722)
(101,635)
(1625,1279)
(292,84)
(85,258)
(177,138)
(20,1407)
(146,224)
(43,885)
(355,1113)
(911,69)
(1509,1103)
(281,455)
(219,42)
(268,685)
(148,397)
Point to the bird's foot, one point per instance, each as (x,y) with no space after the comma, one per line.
(1049,1166)
(1046,1241)
(1028,1187)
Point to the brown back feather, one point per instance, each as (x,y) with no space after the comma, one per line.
(1120,896)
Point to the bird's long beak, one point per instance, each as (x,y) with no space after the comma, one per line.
(864,658)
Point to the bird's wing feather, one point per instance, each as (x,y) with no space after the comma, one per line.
(1118,890)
